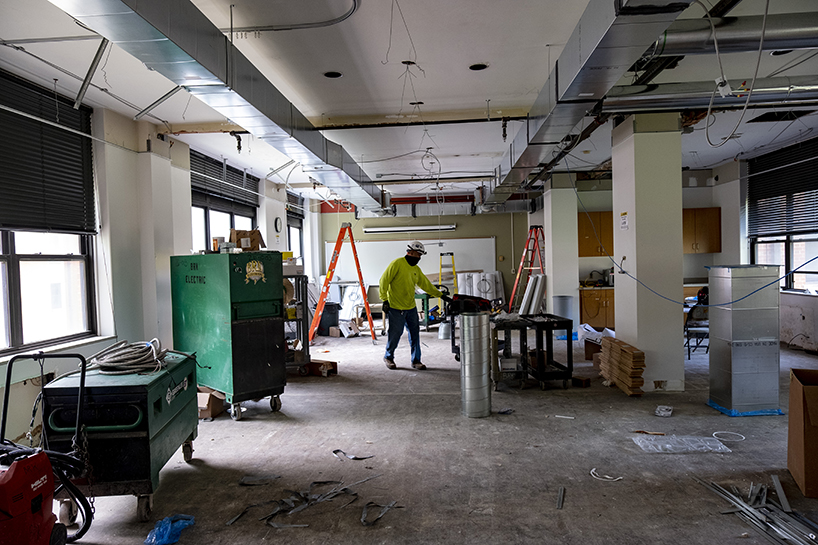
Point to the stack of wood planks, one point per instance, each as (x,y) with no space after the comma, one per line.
(622,364)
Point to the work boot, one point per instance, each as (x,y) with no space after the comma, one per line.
(390,363)
(418,365)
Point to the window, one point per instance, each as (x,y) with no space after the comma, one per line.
(47,288)
(782,213)
(223,198)
(295,224)
(47,218)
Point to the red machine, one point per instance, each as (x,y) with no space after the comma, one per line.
(28,477)
(26,510)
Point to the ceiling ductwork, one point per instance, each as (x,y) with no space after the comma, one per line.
(609,38)
(738,35)
(779,91)
(176,40)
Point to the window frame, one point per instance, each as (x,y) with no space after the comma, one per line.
(208,202)
(13,295)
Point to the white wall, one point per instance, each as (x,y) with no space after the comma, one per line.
(797,320)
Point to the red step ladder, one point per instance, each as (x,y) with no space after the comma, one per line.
(532,248)
(346,228)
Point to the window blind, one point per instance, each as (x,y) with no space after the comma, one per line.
(207,175)
(782,191)
(46,176)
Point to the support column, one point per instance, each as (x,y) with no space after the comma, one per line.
(560,229)
(647,207)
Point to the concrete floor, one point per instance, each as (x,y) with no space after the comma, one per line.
(461,480)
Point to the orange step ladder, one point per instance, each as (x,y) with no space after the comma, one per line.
(532,248)
(346,228)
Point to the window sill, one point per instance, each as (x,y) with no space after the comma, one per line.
(28,369)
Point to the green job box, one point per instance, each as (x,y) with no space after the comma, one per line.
(228,309)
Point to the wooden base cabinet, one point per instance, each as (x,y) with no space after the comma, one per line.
(597,307)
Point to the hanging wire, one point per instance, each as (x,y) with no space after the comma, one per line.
(724,79)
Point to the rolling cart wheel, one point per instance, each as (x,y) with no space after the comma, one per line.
(68,512)
(303,371)
(275,403)
(235,411)
(144,507)
(187,450)
(457,357)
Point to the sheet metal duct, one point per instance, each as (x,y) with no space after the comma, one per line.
(610,37)
(738,34)
(175,39)
(673,96)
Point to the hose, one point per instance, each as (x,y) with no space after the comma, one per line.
(122,358)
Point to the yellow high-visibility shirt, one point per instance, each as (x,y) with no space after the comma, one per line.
(398,283)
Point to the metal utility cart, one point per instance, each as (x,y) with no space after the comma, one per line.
(228,309)
(544,367)
(297,326)
(133,424)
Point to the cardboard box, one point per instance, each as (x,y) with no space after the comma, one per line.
(591,348)
(248,241)
(323,368)
(334,331)
(802,440)
(211,402)
(597,360)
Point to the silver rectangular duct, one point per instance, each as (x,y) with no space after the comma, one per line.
(175,39)
(610,37)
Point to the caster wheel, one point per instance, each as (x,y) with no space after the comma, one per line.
(275,404)
(68,512)
(144,507)
(457,357)
(303,371)
(187,451)
(235,411)
(542,385)
(59,535)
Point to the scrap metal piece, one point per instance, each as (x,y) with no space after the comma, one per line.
(338,451)
(560,497)
(779,491)
(384,509)
(606,478)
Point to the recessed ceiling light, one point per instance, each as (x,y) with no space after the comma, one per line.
(478,66)
(332,74)
(779,52)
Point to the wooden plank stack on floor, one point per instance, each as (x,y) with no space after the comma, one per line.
(622,364)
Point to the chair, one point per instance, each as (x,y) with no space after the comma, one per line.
(697,328)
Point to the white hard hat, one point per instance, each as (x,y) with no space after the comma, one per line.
(417,247)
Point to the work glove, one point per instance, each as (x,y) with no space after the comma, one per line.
(386,306)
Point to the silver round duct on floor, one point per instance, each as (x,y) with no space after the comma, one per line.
(475,364)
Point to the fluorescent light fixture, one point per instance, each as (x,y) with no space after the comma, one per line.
(410,229)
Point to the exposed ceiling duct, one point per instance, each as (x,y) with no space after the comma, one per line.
(176,40)
(610,36)
(738,34)
(677,96)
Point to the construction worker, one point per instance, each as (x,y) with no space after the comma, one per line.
(397,291)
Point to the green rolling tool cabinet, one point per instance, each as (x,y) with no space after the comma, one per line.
(134,423)
(229,310)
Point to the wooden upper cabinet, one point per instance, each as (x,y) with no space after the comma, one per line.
(593,225)
(701,230)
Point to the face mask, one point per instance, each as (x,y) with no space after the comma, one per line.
(412,260)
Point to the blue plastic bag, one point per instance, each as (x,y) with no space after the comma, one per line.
(168,530)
